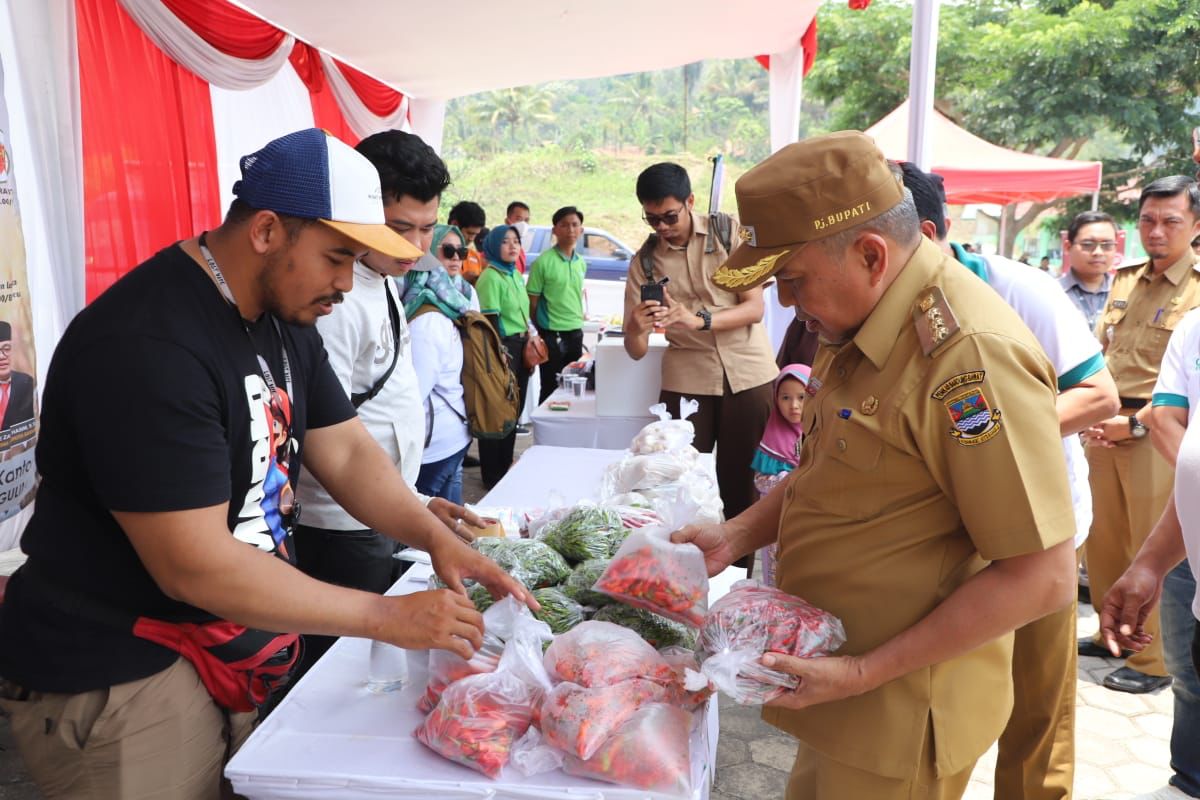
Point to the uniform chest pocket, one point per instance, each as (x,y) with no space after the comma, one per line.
(1113,315)
(843,479)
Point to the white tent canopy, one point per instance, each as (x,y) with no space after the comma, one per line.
(476,45)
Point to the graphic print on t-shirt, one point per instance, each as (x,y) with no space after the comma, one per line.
(269,502)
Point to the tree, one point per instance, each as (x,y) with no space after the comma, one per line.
(1041,77)
(516,108)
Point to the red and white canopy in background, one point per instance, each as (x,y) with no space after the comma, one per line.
(474,45)
(977,171)
(131,114)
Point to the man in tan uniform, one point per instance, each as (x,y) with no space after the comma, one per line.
(930,511)
(1130,480)
(718,353)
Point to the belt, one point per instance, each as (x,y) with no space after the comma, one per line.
(1133,402)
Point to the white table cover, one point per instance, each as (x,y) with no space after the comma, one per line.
(331,738)
(580,427)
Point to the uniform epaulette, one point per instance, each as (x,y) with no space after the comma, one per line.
(934,319)
(1133,264)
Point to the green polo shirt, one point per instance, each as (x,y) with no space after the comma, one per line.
(505,296)
(558,281)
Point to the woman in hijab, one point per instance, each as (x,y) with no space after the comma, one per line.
(431,304)
(504,301)
(449,246)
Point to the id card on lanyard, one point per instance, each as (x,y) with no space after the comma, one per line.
(282,444)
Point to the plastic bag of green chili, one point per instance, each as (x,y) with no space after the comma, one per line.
(578,585)
(558,611)
(533,563)
(586,531)
(659,631)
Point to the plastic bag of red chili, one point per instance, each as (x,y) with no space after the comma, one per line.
(754,619)
(500,623)
(649,751)
(650,571)
(479,717)
(692,687)
(577,720)
(597,653)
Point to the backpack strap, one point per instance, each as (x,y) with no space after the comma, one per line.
(358,398)
(721,224)
(646,256)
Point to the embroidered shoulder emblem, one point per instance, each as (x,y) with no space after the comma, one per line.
(957,382)
(973,420)
(934,319)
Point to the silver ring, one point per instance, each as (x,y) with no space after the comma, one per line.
(457,522)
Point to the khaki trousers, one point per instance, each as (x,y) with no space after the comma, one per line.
(158,737)
(1130,485)
(1036,760)
(817,777)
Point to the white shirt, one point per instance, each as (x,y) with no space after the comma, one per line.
(437,357)
(1179,374)
(1071,347)
(358,338)
(1179,385)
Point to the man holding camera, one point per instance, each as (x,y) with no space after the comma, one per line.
(718,352)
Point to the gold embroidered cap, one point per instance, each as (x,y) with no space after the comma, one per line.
(804,192)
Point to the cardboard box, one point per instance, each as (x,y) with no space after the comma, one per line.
(624,387)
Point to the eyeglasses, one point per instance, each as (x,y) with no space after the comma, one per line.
(450,251)
(1088,246)
(669,218)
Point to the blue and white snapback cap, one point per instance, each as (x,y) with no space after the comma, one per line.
(312,175)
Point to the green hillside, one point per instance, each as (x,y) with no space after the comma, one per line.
(599,183)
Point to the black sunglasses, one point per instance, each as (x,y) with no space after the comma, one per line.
(450,251)
(669,218)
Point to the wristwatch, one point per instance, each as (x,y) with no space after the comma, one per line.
(706,316)
(1136,429)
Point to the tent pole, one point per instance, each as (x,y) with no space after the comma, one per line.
(1003,231)
(427,115)
(786,80)
(922,70)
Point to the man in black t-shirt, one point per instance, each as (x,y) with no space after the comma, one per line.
(178,409)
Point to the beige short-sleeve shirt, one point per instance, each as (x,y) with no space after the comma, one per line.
(699,362)
(1142,311)
(917,469)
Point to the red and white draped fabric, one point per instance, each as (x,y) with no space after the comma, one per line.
(173,92)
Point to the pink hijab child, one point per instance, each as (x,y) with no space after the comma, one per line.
(779,451)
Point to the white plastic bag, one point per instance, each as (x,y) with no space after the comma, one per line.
(666,435)
(532,756)
(501,623)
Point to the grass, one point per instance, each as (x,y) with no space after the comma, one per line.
(599,183)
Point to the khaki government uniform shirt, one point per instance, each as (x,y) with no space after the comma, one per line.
(1142,310)
(699,362)
(916,471)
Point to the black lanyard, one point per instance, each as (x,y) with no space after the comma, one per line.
(262,362)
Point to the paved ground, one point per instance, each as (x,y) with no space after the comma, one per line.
(1122,740)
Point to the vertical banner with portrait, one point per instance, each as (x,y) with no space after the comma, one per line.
(18,365)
